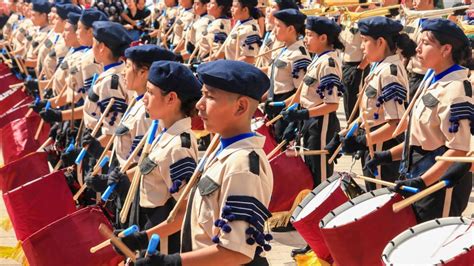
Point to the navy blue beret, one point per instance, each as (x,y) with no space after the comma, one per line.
(112,34)
(64,9)
(322,25)
(379,26)
(149,53)
(73,18)
(290,16)
(445,27)
(285,4)
(173,76)
(234,76)
(251,3)
(89,16)
(41,6)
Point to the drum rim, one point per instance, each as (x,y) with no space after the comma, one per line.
(420,228)
(313,193)
(351,203)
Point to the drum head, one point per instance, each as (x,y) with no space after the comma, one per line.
(357,208)
(433,242)
(314,199)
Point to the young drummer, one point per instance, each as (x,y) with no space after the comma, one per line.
(320,94)
(440,122)
(289,67)
(185,19)
(384,90)
(244,39)
(227,209)
(172,93)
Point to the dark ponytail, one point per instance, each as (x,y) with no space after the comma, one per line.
(225,4)
(402,42)
(333,39)
(254,12)
(461,53)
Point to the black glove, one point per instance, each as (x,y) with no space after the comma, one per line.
(290,132)
(136,241)
(160,259)
(48,93)
(295,115)
(51,115)
(380,158)
(70,157)
(416,182)
(93,145)
(122,181)
(53,131)
(98,183)
(353,144)
(271,110)
(38,106)
(455,172)
(332,146)
(31,85)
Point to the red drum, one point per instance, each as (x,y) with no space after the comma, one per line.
(7,79)
(23,170)
(67,241)
(11,98)
(446,241)
(290,174)
(17,137)
(38,203)
(357,231)
(330,194)
(13,114)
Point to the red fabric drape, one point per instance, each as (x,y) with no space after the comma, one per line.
(23,170)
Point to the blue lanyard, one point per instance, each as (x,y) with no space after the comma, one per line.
(229,141)
(321,54)
(80,48)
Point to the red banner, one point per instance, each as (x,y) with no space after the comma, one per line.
(11,98)
(17,137)
(13,114)
(23,170)
(7,79)
(38,203)
(68,241)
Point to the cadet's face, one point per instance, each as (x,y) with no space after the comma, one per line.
(372,49)
(135,78)
(269,18)
(213,9)
(215,108)
(199,8)
(69,35)
(98,50)
(170,3)
(429,51)
(37,18)
(83,35)
(281,30)
(236,10)
(313,41)
(156,104)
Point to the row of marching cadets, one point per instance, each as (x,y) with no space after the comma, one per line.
(121,116)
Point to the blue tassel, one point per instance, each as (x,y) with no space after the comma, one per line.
(250,241)
(268,237)
(250,231)
(376,116)
(226,228)
(267,247)
(215,239)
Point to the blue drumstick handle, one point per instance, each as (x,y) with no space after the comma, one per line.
(293,106)
(48,105)
(94,78)
(278,104)
(376,172)
(104,161)
(37,100)
(132,229)
(152,134)
(70,147)
(352,130)
(446,182)
(108,192)
(410,189)
(153,244)
(81,155)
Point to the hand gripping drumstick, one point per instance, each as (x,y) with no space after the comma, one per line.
(347,133)
(388,184)
(408,201)
(152,245)
(278,117)
(194,178)
(132,229)
(137,175)
(102,163)
(276,149)
(370,146)
(40,126)
(81,155)
(105,231)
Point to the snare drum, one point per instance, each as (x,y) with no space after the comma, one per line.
(357,231)
(330,194)
(447,241)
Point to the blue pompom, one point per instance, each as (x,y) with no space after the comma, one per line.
(376,116)
(250,231)
(215,239)
(250,241)
(230,217)
(226,228)
(217,222)
(226,209)
(260,240)
(268,237)
(221,223)
(267,247)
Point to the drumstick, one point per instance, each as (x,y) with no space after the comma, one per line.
(105,231)
(403,123)
(370,145)
(194,178)
(269,51)
(61,93)
(294,153)
(347,132)
(277,148)
(388,184)
(278,117)
(410,200)
(137,175)
(96,171)
(152,245)
(45,144)
(455,159)
(16,85)
(129,231)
